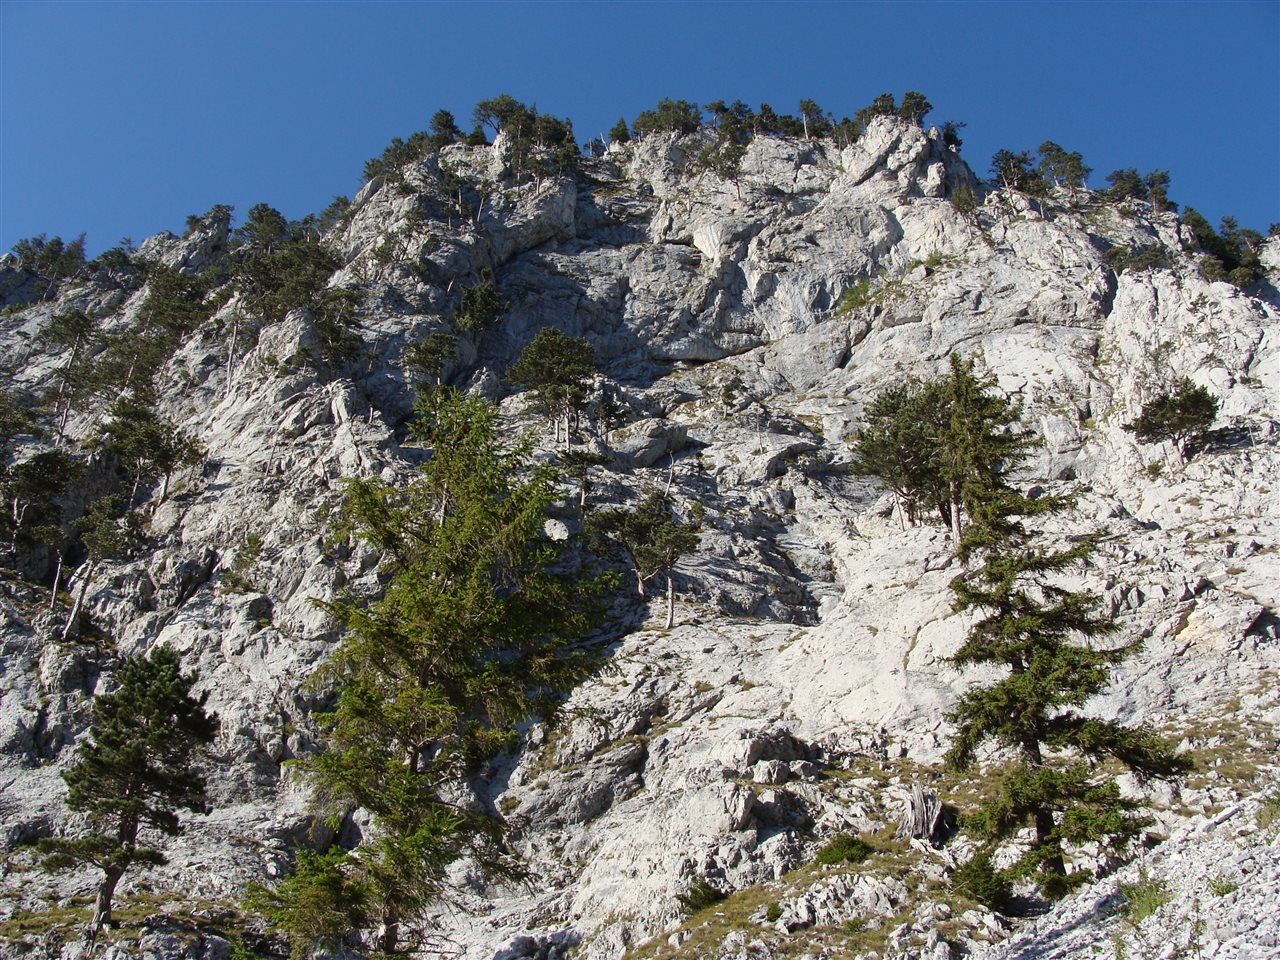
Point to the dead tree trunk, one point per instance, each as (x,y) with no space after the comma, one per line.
(671,599)
(921,815)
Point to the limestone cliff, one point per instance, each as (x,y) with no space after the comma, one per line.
(742,327)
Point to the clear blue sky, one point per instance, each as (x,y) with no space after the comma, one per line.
(122,118)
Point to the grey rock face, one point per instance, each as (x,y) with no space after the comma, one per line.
(741,329)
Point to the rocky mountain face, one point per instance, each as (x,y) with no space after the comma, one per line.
(742,327)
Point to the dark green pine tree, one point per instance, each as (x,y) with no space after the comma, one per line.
(978,446)
(946,443)
(1042,635)
(1180,415)
(148,446)
(914,107)
(427,359)
(895,444)
(72,334)
(135,773)
(444,130)
(557,368)
(105,533)
(479,308)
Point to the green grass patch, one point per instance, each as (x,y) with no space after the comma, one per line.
(1269,812)
(1143,897)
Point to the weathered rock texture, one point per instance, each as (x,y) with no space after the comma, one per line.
(812,629)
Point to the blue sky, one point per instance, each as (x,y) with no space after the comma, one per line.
(119,119)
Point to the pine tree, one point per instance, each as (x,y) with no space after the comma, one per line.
(476,631)
(914,106)
(1016,172)
(135,773)
(15,420)
(479,308)
(811,117)
(148,446)
(71,332)
(51,260)
(1062,167)
(32,493)
(31,490)
(946,443)
(895,445)
(427,359)
(105,533)
(1180,415)
(653,539)
(979,444)
(578,463)
(444,130)
(557,369)
(1031,626)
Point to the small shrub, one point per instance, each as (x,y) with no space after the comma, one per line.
(773,913)
(964,200)
(856,297)
(1143,897)
(700,895)
(1222,885)
(1149,258)
(845,848)
(980,881)
(1116,258)
(236,579)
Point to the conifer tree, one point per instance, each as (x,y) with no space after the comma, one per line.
(475,632)
(653,539)
(1016,171)
(914,106)
(1180,415)
(557,368)
(31,490)
(1043,635)
(895,445)
(52,260)
(427,359)
(15,420)
(105,534)
(579,463)
(946,443)
(811,117)
(148,446)
(444,130)
(72,333)
(135,773)
(480,307)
